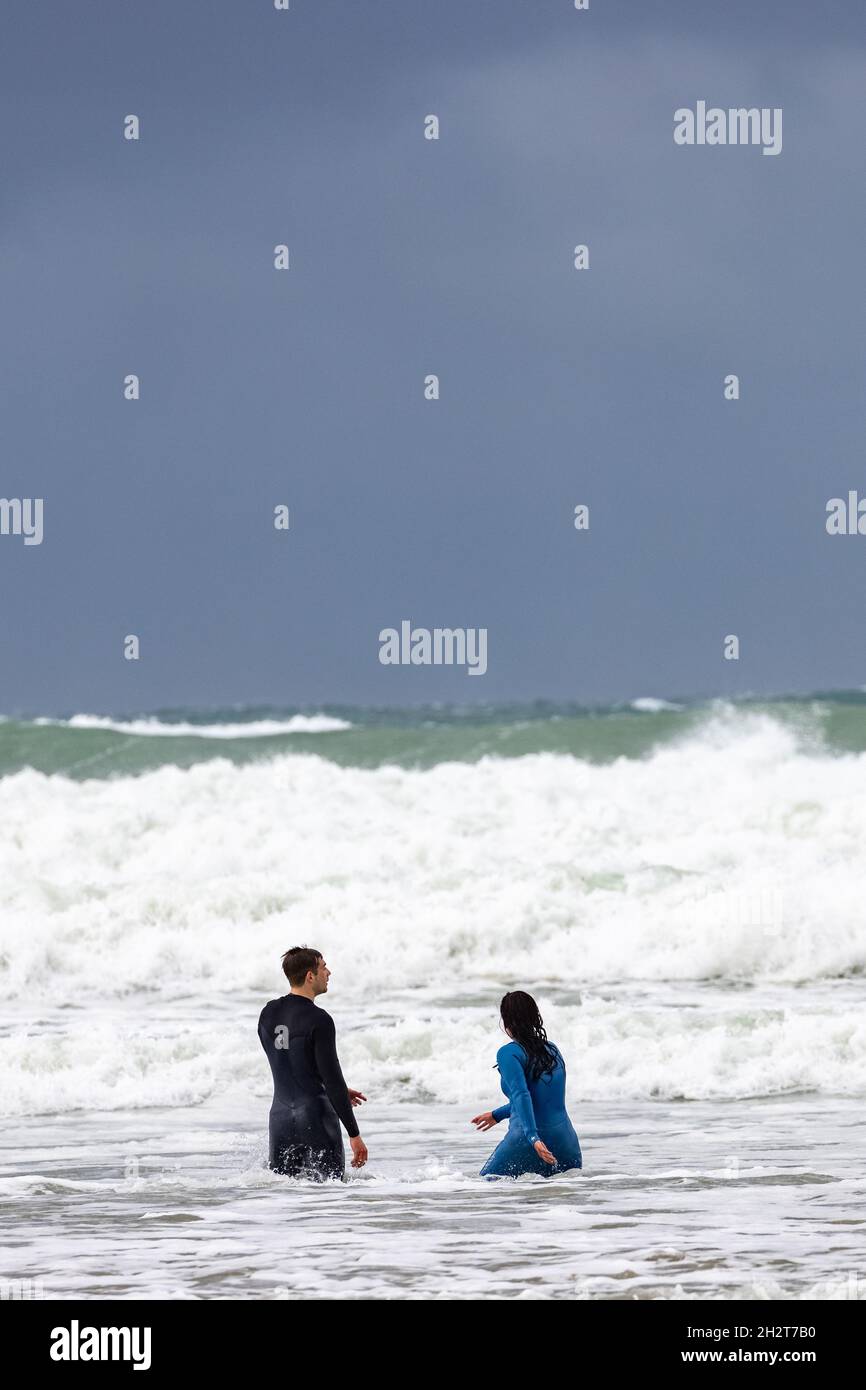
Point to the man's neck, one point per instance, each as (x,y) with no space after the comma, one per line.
(304,992)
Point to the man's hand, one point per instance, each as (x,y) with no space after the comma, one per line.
(485,1121)
(359,1151)
(355,1096)
(543,1151)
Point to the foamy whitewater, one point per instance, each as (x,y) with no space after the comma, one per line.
(680,886)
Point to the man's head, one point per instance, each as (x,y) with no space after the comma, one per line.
(305,969)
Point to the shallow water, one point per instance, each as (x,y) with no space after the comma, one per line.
(733,1200)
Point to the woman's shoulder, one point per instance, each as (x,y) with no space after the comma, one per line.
(516,1051)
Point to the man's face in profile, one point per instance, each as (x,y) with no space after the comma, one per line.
(321,977)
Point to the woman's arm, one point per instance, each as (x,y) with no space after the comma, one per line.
(502,1112)
(512,1073)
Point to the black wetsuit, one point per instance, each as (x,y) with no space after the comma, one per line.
(309,1090)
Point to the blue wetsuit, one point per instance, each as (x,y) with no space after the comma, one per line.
(536,1110)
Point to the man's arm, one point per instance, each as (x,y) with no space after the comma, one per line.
(325,1052)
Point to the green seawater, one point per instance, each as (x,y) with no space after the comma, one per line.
(419,737)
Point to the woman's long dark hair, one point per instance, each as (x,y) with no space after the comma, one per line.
(521,1017)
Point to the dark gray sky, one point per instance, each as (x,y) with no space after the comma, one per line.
(410,257)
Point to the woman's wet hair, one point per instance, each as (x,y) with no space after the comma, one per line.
(521,1017)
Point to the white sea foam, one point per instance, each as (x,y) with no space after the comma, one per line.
(732,859)
(650,704)
(616,1051)
(253,728)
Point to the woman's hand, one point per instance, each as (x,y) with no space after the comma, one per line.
(356,1097)
(543,1151)
(485,1121)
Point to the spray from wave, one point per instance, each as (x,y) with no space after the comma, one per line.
(692,917)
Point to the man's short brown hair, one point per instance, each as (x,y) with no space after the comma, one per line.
(298,961)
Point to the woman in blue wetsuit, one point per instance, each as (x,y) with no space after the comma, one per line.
(541,1137)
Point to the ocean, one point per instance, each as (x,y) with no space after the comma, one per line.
(680,883)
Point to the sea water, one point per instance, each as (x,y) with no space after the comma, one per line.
(681,887)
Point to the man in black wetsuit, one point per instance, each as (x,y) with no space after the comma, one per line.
(310,1095)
